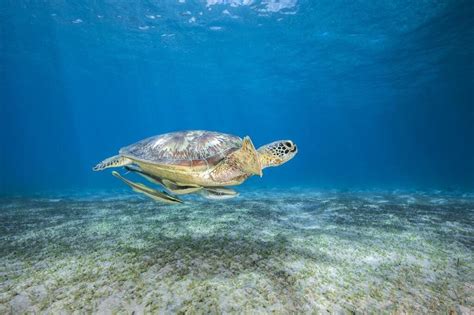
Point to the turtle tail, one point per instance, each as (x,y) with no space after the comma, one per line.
(114,161)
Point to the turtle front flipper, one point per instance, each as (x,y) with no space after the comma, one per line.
(239,165)
(147,191)
(114,161)
(246,158)
(218,193)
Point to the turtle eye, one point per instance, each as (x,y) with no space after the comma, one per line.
(288,144)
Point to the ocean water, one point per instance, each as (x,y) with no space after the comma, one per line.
(375,214)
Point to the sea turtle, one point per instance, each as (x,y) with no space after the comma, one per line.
(194,161)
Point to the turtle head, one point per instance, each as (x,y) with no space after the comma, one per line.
(277,153)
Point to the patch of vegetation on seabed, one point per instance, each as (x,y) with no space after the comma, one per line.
(267,251)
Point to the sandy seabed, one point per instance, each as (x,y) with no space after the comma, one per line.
(267,251)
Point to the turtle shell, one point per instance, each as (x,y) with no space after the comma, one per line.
(184,148)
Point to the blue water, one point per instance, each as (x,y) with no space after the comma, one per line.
(376,95)
(375,214)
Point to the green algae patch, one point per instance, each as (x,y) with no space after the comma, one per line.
(270,252)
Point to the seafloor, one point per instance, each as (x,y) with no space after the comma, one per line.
(296,251)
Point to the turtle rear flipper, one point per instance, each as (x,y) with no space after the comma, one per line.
(147,191)
(114,161)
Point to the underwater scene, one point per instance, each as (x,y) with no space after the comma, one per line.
(237,157)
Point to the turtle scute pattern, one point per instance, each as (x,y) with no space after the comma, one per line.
(186,148)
